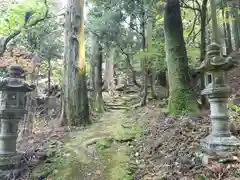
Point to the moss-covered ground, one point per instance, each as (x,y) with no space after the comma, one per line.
(101,152)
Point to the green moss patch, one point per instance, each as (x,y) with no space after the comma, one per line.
(60,167)
(104,144)
(77,159)
(119,166)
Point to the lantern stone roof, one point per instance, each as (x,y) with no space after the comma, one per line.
(28,61)
(214,61)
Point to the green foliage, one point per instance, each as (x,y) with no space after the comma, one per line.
(103,23)
(13,17)
(155,59)
(235,108)
(44,39)
(159,20)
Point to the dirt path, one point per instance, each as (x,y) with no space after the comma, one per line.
(102,152)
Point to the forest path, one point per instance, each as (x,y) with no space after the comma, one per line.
(102,151)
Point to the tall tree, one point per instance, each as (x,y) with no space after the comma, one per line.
(181,96)
(144,48)
(149,42)
(75,110)
(97,78)
(228,33)
(235,27)
(109,68)
(203,14)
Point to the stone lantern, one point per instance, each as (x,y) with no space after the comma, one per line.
(215,67)
(12,109)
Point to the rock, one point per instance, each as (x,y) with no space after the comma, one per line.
(170,120)
(162,104)
(206,159)
(137,154)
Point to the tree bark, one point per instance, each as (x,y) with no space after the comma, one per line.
(76,105)
(203,48)
(144,61)
(129,55)
(49,74)
(225,32)
(93,64)
(98,58)
(151,70)
(181,96)
(109,70)
(130,67)
(228,31)
(64,118)
(235,28)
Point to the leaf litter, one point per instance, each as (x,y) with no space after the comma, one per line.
(34,150)
(170,149)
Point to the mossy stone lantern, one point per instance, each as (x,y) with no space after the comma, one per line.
(12,109)
(215,68)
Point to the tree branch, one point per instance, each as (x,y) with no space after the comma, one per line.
(195,35)
(17,32)
(199,6)
(121,48)
(133,28)
(193,26)
(185,5)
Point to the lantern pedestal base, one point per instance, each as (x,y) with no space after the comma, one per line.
(9,161)
(206,159)
(220,145)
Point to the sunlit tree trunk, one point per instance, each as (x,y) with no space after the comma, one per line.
(225,33)
(129,55)
(181,97)
(76,105)
(150,67)
(109,70)
(132,78)
(98,59)
(228,32)
(235,27)
(93,64)
(65,72)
